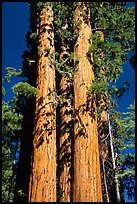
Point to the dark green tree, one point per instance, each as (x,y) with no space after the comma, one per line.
(123,125)
(11,131)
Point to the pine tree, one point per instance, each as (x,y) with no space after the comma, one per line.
(11,130)
(123,127)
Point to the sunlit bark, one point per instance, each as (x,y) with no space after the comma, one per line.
(86,180)
(65,135)
(42,186)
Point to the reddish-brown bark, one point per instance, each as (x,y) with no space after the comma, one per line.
(42,186)
(86,179)
(65,143)
(65,136)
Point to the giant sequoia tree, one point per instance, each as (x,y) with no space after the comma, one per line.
(86,181)
(64,69)
(43,159)
(71,73)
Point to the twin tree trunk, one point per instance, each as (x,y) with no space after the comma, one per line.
(84,169)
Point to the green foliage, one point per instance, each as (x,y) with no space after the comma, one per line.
(20,192)
(118,92)
(118,26)
(24,89)
(47,50)
(111,59)
(67,129)
(124,140)
(8,177)
(3,91)
(116,21)
(24,92)
(10,71)
(39,6)
(124,126)
(65,65)
(11,130)
(98,87)
(63,20)
(39,50)
(10,119)
(34,36)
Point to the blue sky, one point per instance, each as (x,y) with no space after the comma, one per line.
(15,25)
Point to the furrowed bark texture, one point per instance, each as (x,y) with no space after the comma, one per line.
(42,186)
(65,136)
(86,178)
(65,146)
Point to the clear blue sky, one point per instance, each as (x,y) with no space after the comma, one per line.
(15,25)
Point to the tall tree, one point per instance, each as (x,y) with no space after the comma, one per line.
(115,46)
(65,137)
(42,185)
(63,24)
(65,133)
(86,179)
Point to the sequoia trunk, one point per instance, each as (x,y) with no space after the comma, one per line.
(86,180)
(65,135)
(42,187)
(65,145)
